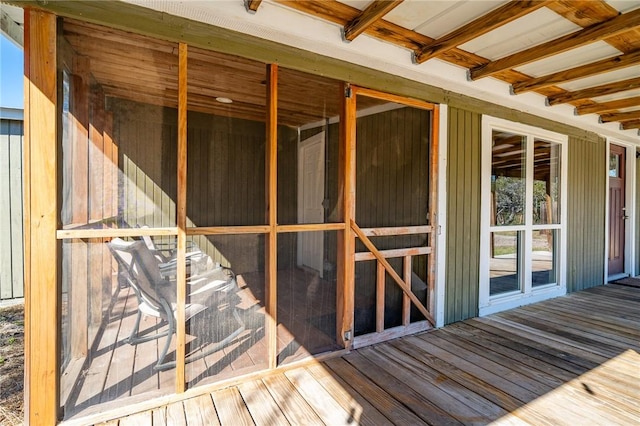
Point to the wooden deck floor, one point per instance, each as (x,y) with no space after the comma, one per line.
(573,360)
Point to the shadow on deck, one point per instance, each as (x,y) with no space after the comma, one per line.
(570,360)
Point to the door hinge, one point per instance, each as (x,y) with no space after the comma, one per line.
(347,91)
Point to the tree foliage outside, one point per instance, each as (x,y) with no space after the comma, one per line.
(510,201)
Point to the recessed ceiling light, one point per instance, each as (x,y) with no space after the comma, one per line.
(224,100)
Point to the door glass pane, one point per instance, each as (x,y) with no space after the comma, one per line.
(546,182)
(508,161)
(614,165)
(544,260)
(505,261)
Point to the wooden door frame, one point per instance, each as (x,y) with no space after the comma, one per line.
(345,298)
(630,200)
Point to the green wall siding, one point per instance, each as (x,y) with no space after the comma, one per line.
(586,213)
(11,260)
(463,215)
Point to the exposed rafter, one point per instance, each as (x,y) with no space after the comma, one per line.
(594,68)
(252,5)
(620,24)
(594,92)
(370,15)
(501,16)
(608,106)
(627,125)
(620,116)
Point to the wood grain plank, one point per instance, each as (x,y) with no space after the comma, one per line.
(231,407)
(456,391)
(271,194)
(41,207)
(292,404)
(397,389)
(396,364)
(199,411)
(394,410)
(322,401)
(367,17)
(139,419)
(159,416)
(175,414)
(261,405)
(360,410)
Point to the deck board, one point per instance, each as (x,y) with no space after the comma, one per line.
(571,360)
(261,405)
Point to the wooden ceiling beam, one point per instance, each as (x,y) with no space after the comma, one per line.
(252,5)
(501,16)
(618,25)
(620,116)
(628,125)
(341,14)
(368,17)
(608,106)
(588,70)
(594,92)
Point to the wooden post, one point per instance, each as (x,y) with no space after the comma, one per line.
(380,281)
(42,345)
(79,126)
(406,301)
(346,239)
(271,302)
(181,204)
(96,209)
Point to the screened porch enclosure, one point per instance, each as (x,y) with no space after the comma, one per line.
(255,276)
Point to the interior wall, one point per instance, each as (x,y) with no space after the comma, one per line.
(225,177)
(586,213)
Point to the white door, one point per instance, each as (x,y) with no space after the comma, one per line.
(310,198)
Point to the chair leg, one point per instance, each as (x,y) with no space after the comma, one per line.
(223,343)
(133,338)
(160,365)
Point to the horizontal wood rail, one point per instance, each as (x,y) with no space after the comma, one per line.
(220,230)
(389,254)
(381,259)
(63,234)
(397,230)
(310,227)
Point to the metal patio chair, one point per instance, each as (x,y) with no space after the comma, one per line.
(156,293)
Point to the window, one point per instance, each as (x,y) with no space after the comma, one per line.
(523,188)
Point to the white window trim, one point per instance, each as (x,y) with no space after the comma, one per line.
(487,304)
